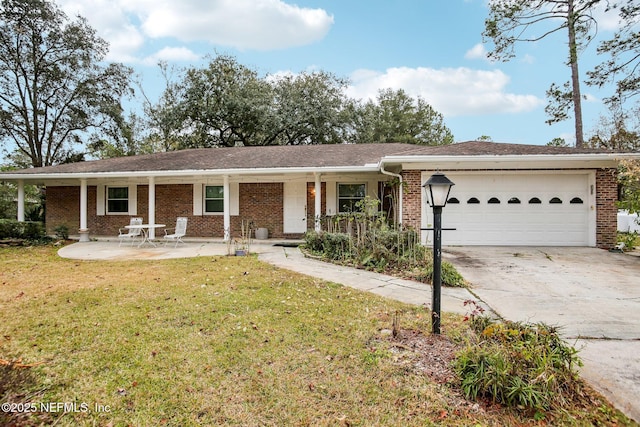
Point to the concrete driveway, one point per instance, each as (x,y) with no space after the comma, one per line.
(591,294)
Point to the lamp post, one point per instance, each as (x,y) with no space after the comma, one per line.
(436,191)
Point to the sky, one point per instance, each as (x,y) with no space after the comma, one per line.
(429,48)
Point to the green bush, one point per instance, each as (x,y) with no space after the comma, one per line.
(449,275)
(519,365)
(13,229)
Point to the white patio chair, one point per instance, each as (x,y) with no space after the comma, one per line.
(178,233)
(130,233)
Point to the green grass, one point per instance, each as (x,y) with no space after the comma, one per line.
(210,341)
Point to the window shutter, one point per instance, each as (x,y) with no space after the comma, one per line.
(133,199)
(100,200)
(197,200)
(234,200)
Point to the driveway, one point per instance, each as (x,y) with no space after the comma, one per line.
(591,294)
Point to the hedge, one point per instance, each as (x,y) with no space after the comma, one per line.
(29,230)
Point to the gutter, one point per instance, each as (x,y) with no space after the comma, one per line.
(397,175)
(511,157)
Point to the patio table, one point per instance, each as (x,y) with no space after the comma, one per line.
(145,232)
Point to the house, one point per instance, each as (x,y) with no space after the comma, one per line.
(504,194)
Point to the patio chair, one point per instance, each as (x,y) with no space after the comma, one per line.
(178,233)
(130,233)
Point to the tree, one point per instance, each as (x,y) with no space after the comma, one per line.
(557,142)
(630,180)
(224,104)
(618,131)
(513,21)
(53,88)
(623,66)
(310,109)
(397,117)
(229,104)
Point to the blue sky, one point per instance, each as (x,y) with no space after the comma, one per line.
(429,48)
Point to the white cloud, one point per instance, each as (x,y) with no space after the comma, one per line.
(451,91)
(476,52)
(111,22)
(172,54)
(242,24)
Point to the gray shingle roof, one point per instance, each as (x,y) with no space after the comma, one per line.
(299,156)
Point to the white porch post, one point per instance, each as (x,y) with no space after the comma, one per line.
(84,231)
(152,206)
(226,204)
(318,202)
(20,200)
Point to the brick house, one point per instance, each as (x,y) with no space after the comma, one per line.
(504,194)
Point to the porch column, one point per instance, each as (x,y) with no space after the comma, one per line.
(226,204)
(318,203)
(21,200)
(84,231)
(152,206)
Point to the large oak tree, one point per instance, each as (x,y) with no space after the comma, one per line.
(54,88)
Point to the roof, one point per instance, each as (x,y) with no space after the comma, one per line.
(254,157)
(289,157)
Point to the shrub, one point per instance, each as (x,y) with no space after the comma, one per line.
(13,229)
(62,232)
(450,276)
(519,365)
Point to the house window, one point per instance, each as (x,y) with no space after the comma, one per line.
(214,199)
(494,201)
(118,199)
(454,201)
(514,201)
(473,201)
(349,195)
(534,201)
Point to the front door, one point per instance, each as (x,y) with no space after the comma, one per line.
(295,207)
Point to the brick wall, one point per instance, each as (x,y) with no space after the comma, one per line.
(606,209)
(311,203)
(63,208)
(411,198)
(258,202)
(262,203)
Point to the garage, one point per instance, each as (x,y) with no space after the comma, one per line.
(519,208)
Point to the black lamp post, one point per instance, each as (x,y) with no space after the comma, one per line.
(436,191)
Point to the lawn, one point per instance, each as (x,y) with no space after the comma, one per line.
(218,341)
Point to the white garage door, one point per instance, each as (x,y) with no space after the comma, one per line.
(517,209)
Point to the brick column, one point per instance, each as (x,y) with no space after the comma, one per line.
(411,199)
(606,208)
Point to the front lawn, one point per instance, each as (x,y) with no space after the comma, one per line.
(222,341)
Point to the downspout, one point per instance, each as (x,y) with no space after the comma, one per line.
(397,175)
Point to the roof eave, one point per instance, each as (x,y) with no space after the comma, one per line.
(188,172)
(537,161)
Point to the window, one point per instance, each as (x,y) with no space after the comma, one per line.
(349,195)
(473,201)
(494,201)
(453,200)
(534,201)
(214,199)
(514,201)
(555,201)
(576,201)
(118,199)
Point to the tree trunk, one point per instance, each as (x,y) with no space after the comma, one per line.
(575,75)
